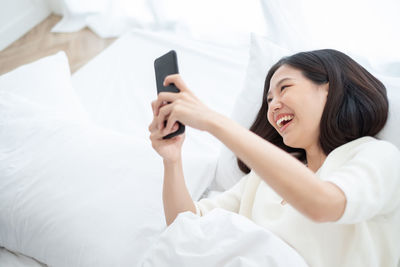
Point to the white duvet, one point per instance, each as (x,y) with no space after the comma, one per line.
(221,238)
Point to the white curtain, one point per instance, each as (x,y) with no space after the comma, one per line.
(366,27)
(107,18)
(222,21)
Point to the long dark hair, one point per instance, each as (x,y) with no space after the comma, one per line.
(356,105)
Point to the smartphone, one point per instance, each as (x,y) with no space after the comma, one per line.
(166,65)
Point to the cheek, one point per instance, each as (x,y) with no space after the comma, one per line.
(313,117)
(270,118)
(319,109)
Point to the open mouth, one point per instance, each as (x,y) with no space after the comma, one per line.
(284,120)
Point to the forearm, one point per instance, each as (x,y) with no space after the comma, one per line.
(176,197)
(298,185)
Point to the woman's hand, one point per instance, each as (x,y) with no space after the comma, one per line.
(184,107)
(168,149)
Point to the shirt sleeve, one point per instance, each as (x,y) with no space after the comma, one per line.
(370,182)
(229,200)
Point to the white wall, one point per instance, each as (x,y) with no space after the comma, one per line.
(17,17)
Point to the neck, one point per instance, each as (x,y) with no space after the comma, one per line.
(315,158)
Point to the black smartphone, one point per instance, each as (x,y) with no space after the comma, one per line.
(166,65)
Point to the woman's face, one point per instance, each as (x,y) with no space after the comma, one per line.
(295,107)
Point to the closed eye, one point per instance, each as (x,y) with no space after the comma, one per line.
(269,100)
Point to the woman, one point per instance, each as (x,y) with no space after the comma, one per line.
(318,179)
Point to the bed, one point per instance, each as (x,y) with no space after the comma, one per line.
(81,185)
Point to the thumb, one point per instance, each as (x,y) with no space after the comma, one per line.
(177,80)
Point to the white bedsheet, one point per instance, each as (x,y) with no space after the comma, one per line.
(117,87)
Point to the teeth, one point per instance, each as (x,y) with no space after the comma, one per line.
(284,118)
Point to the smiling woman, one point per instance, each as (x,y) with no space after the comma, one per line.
(356,102)
(286,107)
(316,176)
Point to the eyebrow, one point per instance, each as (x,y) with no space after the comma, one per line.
(281,81)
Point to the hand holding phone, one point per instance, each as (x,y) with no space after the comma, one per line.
(166,65)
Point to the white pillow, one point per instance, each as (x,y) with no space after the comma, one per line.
(73,193)
(263,54)
(247,104)
(46,82)
(14,259)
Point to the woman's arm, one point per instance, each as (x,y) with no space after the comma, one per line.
(176,197)
(320,201)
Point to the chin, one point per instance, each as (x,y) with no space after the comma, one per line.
(286,141)
(291,143)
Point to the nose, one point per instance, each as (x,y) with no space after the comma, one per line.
(275,105)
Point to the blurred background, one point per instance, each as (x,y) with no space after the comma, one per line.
(31,29)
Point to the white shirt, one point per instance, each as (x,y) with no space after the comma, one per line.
(368,233)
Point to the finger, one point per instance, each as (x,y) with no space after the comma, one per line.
(177,80)
(153,106)
(158,135)
(163,99)
(175,127)
(153,125)
(163,115)
(170,123)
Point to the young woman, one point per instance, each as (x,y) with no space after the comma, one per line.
(316,176)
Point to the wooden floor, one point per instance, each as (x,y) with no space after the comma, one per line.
(39,42)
